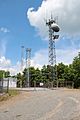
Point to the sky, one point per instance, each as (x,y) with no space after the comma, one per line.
(22,23)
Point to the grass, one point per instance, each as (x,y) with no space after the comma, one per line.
(8,95)
(13,92)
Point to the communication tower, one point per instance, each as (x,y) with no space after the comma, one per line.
(28,62)
(22,57)
(53,27)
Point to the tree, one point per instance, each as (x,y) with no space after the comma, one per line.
(37,75)
(4,74)
(32,75)
(60,70)
(64,72)
(7,74)
(76,68)
(19,80)
(44,74)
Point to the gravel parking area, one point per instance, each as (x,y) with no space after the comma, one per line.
(57,104)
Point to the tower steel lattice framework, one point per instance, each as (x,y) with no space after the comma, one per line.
(22,58)
(28,62)
(52,50)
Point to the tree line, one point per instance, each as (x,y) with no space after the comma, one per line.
(4,74)
(69,72)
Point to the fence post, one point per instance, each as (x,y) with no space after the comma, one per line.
(57,83)
(8,85)
(72,85)
(2,85)
(34,85)
(52,85)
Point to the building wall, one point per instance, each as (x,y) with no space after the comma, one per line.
(12,82)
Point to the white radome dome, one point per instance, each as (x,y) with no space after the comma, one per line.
(55,27)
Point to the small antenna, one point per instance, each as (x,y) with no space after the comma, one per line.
(52,19)
(51,16)
(56,19)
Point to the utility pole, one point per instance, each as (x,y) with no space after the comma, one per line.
(28,62)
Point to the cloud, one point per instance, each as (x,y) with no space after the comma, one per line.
(40,58)
(66,56)
(4,62)
(3,43)
(14,69)
(66,10)
(4,30)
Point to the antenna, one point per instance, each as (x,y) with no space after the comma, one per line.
(51,16)
(53,27)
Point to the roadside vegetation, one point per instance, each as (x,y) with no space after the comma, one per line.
(6,96)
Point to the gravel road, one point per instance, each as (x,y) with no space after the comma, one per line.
(57,104)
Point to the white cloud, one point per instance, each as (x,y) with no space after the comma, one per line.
(4,62)
(66,10)
(40,58)
(4,30)
(3,44)
(66,56)
(14,69)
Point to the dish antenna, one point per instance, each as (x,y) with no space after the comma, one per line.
(53,27)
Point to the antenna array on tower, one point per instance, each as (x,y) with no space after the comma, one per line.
(53,27)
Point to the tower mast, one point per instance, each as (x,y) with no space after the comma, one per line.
(28,62)
(22,57)
(53,27)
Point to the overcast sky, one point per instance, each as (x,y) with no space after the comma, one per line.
(22,22)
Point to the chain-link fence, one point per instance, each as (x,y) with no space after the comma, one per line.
(4,85)
(54,84)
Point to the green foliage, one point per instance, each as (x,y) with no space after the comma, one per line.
(64,73)
(4,74)
(19,80)
(61,68)
(13,92)
(76,68)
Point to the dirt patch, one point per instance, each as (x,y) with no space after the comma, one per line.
(4,97)
(12,100)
